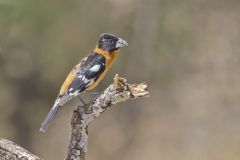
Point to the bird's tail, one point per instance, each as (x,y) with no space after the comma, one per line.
(49,117)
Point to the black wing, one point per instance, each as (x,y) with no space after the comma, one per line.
(87,73)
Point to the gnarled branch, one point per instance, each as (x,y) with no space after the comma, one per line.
(12,151)
(117,92)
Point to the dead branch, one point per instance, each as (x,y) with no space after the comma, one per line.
(117,92)
(12,151)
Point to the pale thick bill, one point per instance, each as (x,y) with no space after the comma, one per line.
(121,43)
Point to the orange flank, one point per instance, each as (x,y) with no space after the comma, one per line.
(68,81)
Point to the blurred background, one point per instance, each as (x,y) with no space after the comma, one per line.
(187,51)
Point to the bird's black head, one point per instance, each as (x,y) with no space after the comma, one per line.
(110,42)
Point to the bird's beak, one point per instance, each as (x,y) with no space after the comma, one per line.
(121,43)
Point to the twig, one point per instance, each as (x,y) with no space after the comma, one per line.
(12,151)
(117,92)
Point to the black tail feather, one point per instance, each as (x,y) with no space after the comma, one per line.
(49,118)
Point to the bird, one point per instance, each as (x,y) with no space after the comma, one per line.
(87,74)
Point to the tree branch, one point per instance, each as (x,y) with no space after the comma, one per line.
(12,151)
(117,92)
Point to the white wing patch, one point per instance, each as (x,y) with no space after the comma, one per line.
(83,78)
(95,68)
(86,80)
(74,93)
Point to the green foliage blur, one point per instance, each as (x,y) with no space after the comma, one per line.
(186,51)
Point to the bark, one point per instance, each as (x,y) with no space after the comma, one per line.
(117,92)
(12,151)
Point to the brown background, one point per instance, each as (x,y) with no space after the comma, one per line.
(187,51)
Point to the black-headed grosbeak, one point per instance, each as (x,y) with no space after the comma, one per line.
(87,73)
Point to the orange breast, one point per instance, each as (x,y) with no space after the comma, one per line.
(110,58)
